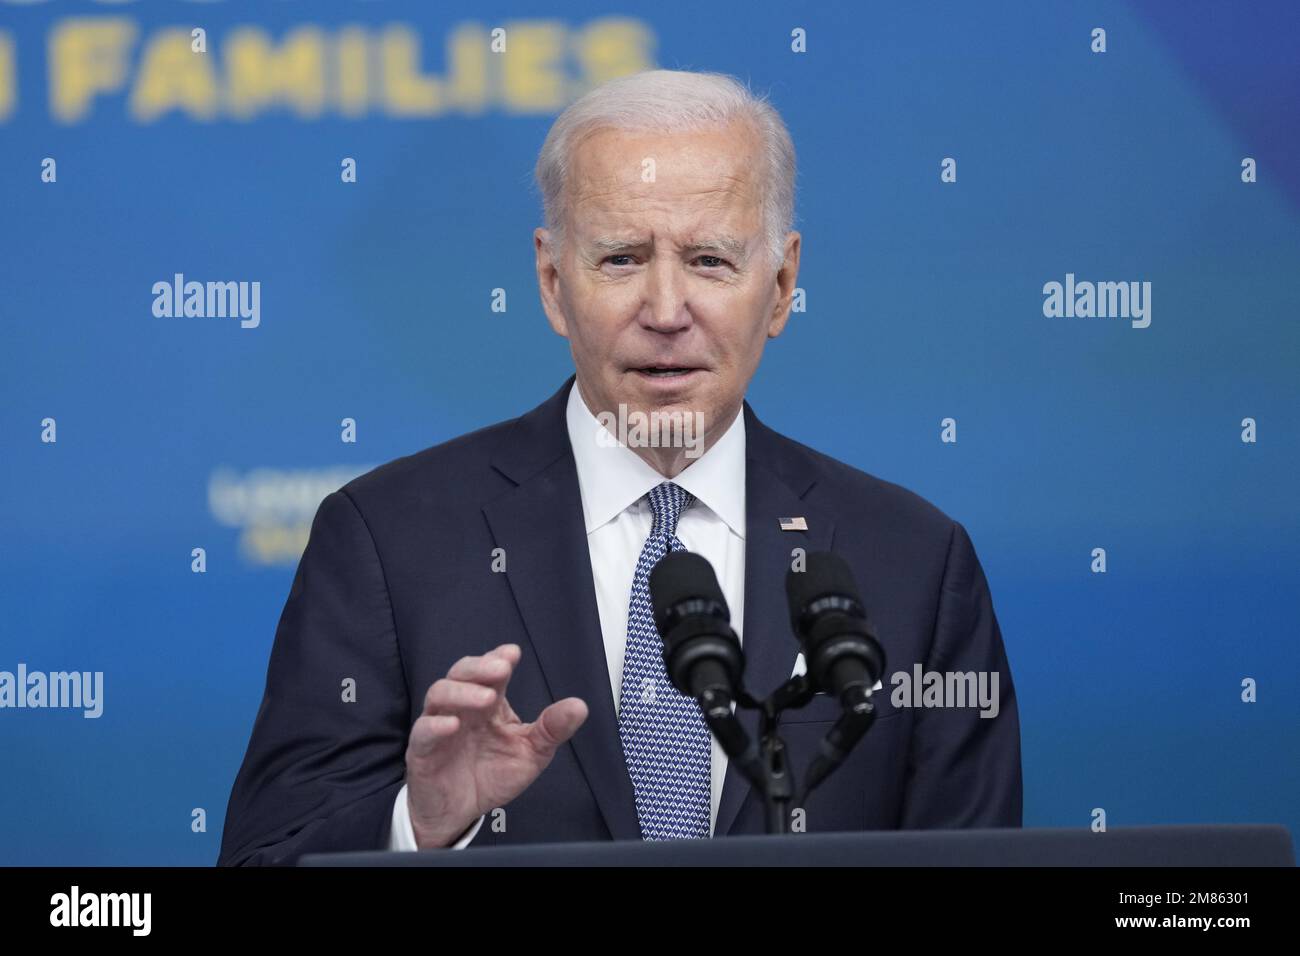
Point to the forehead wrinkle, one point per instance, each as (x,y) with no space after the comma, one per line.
(632,197)
(626,224)
(728,159)
(601,178)
(615,198)
(733,246)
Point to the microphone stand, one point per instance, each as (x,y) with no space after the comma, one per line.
(764,764)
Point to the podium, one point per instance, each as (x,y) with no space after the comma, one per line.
(1145,846)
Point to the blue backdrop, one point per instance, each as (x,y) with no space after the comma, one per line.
(924,301)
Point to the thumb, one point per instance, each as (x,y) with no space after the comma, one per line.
(556,724)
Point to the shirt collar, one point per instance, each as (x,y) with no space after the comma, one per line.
(612,477)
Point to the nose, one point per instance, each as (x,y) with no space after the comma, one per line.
(664,308)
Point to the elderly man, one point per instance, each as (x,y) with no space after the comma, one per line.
(505,573)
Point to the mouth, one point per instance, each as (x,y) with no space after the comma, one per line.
(665,371)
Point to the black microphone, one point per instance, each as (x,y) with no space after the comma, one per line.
(842,654)
(701,652)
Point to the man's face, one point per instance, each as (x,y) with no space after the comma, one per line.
(664,288)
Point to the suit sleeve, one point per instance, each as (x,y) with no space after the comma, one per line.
(326,757)
(964,768)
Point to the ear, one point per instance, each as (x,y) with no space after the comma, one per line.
(786,277)
(548,282)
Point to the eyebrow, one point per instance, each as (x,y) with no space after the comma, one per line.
(735,248)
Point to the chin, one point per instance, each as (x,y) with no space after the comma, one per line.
(691,402)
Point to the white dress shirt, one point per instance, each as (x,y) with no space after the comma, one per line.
(613,481)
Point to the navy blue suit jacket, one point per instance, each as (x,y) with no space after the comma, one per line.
(396,584)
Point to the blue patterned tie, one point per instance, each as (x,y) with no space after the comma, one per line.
(665,740)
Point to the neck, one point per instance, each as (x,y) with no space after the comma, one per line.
(669,462)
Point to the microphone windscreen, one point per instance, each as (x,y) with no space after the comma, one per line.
(824,574)
(680,576)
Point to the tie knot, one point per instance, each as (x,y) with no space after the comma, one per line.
(667,502)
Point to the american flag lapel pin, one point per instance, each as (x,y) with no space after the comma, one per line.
(793,524)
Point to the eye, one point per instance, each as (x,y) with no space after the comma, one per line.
(713,261)
(620,256)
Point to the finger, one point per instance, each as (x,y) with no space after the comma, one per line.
(454,697)
(430,731)
(493,669)
(556,724)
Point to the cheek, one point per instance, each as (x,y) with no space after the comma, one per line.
(745,342)
(595,337)
(603,313)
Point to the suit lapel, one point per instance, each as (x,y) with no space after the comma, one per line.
(777,479)
(548,566)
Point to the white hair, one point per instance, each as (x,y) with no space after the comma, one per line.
(672,101)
